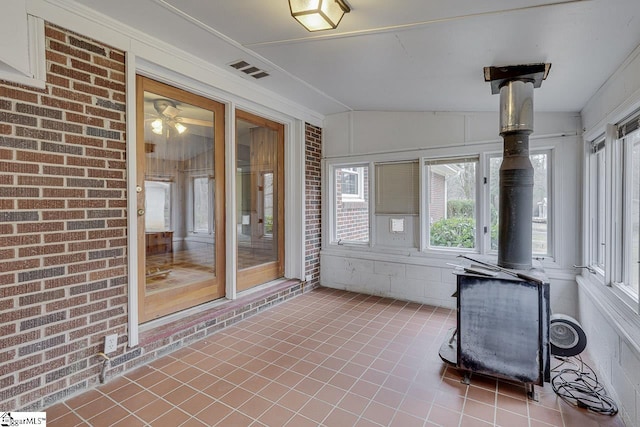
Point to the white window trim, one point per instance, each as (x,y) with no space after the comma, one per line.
(359,196)
(479,217)
(616,213)
(556,146)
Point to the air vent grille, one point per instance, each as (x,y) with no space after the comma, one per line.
(248,69)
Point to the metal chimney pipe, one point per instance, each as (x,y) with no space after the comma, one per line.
(516,175)
(515,85)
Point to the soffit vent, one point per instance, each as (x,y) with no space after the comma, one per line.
(248,69)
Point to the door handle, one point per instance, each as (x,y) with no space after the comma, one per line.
(140,212)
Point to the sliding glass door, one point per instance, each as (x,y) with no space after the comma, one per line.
(260,199)
(180,199)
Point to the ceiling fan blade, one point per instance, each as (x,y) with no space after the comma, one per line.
(196,122)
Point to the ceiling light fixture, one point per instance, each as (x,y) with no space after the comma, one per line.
(317,15)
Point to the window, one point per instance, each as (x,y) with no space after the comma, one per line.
(201,205)
(541,230)
(351,211)
(267,203)
(614,209)
(157,205)
(597,209)
(631,212)
(451,196)
(352,183)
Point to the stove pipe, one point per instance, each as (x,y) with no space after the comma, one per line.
(516,175)
(515,85)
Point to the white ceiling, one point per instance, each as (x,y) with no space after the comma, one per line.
(401,55)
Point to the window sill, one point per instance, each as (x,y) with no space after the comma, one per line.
(622,317)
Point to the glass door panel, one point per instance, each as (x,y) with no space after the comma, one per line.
(180,160)
(260,199)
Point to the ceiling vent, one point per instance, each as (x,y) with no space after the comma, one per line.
(248,69)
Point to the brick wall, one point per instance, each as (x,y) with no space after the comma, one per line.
(313,202)
(62,221)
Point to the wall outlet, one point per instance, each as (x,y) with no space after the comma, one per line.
(110,343)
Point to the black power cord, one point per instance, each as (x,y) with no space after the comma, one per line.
(577,384)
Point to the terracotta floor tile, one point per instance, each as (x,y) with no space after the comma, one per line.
(213,414)
(509,419)
(294,400)
(56,411)
(300,421)
(155,409)
(131,421)
(339,417)
(236,397)
(276,416)
(95,407)
(402,419)
(196,403)
(82,399)
(379,413)
(443,416)
(255,406)
(316,410)
(468,421)
(328,357)
(479,410)
(138,401)
(68,419)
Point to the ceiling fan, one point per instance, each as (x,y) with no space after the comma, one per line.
(170,115)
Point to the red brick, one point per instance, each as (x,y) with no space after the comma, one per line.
(84,140)
(53,80)
(87,120)
(39,180)
(17,168)
(90,89)
(17,94)
(65,237)
(53,33)
(66,303)
(101,112)
(23,264)
(41,204)
(56,57)
(62,215)
(62,171)
(63,104)
(65,259)
(87,266)
(71,95)
(18,365)
(29,156)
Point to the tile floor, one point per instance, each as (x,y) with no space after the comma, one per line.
(326,358)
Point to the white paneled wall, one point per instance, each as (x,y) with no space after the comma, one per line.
(403,271)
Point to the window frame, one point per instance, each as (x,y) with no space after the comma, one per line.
(366,200)
(358,196)
(479,202)
(192,203)
(551,251)
(618,169)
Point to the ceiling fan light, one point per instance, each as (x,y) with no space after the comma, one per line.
(180,128)
(156,126)
(317,15)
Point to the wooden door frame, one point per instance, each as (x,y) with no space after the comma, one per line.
(176,301)
(252,276)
